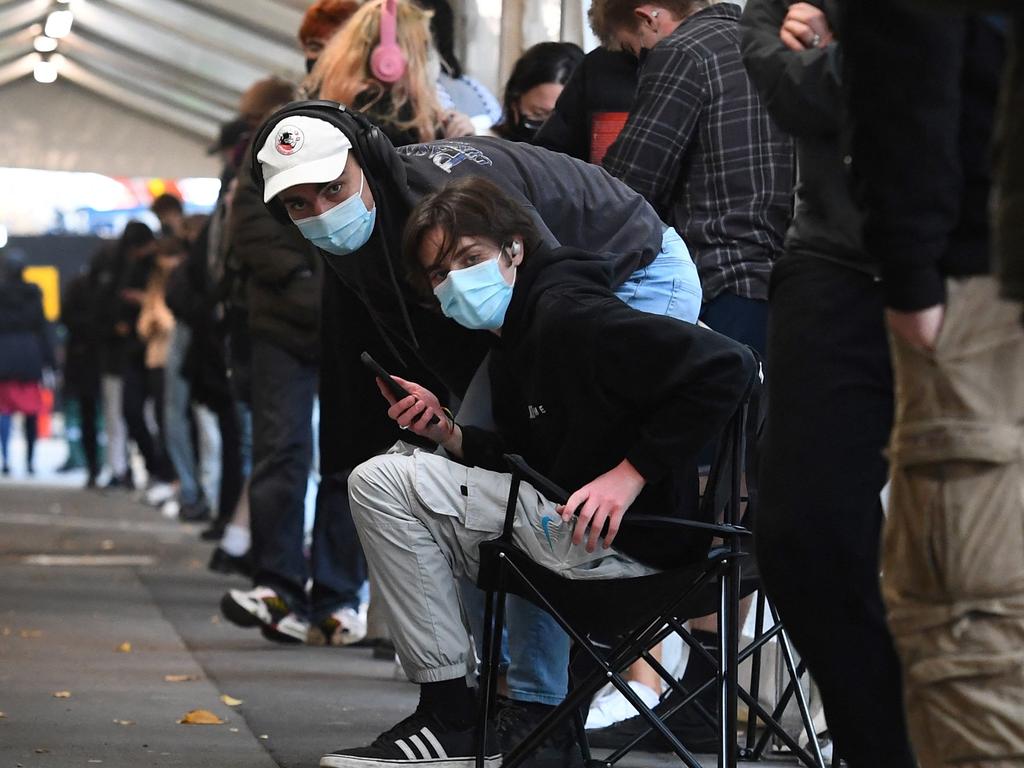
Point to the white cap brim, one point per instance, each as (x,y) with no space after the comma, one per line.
(314,172)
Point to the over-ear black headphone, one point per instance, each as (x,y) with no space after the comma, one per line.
(372,147)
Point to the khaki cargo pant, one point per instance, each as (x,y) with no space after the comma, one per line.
(953,551)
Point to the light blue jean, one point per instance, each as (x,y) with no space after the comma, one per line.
(535,650)
(177,394)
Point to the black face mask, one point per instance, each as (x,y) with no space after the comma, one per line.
(310,63)
(525,129)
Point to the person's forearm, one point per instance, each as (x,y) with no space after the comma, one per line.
(453,443)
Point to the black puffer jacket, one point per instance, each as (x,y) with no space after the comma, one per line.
(24,346)
(285,274)
(803,93)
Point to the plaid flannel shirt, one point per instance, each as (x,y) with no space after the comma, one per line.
(702,149)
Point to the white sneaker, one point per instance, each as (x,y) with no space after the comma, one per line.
(170,509)
(343,627)
(263,607)
(158,493)
(613,707)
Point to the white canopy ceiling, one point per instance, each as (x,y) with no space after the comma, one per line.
(144,84)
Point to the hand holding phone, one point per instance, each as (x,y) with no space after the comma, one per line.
(424,398)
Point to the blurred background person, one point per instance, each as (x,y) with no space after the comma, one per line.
(408,111)
(25,352)
(533,88)
(81,373)
(592,108)
(321,21)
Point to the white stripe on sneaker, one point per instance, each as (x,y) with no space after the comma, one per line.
(405,748)
(418,743)
(433,742)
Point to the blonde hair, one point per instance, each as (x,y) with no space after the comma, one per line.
(342,72)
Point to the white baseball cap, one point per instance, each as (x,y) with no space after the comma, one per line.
(302,150)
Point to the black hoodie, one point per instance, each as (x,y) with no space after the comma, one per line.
(572,203)
(581,381)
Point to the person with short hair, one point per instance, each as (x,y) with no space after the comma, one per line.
(603,399)
(701,147)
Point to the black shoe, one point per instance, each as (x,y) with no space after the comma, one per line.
(515,720)
(222,562)
(6,469)
(213,532)
(198,512)
(90,483)
(695,733)
(420,739)
(120,483)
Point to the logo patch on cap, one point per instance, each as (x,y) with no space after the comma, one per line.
(289,140)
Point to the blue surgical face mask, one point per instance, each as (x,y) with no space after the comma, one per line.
(476,297)
(343,229)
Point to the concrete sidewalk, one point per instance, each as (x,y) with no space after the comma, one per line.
(82,573)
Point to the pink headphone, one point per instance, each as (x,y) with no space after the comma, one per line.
(387,62)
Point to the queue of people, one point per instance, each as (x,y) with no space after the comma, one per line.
(585,272)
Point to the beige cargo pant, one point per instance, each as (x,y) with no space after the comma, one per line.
(421,519)
(953,549)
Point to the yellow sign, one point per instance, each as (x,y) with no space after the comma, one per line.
(48,280)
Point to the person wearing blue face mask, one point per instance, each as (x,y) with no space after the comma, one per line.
(602,398)
(313,157)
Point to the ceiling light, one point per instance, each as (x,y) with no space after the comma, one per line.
(45,44)
(45,72)
(58,23)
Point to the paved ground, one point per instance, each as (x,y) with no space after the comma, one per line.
(101,599)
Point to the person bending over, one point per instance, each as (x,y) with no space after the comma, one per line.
(602,398)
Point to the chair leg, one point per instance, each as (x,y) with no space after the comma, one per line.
(484,714)
(755,672)
(728,661)
(805,712)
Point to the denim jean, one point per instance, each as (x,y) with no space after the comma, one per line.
(283,390)
(336,559)
(535,649)
(669,285)
(176,416)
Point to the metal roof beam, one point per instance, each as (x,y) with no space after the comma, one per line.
(266,16)
(197,127)
(20,14)
(17,69)
(133,67)
(213,32)
(166,47)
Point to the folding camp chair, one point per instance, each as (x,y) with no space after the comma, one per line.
(615,622)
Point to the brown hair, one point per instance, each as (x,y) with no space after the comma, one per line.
(470,207)
(342,72)
(324,17)
(263,96)
(606,16)
(166,203)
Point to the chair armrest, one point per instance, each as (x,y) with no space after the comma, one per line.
(519,467)
(653,521)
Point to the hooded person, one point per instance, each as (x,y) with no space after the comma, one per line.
(350,192)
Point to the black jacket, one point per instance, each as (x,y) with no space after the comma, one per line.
(571,202)
(81,367)
(923,88)
(284,274)
(803,94)
(580,382)
(24,346)
(594,103)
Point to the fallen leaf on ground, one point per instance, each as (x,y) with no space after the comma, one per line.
(62,694)
(231,701)
(124,722)
(179,678)
(30,633)
(106,545)
(3,715)
(124,648)
(215,619)
(200,717)
(41,750)
(264,736)
(233,730)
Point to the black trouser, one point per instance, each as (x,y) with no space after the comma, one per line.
(230,462)
(89,409)
(137,386)
(818,530)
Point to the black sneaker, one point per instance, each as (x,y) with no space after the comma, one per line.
(222,562)
(695,733)
(515,720)
(194,513)
(262,607)
(420,739)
